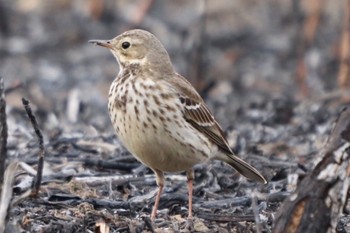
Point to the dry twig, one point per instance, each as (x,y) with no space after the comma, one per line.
(38,177)
(196,70)
(6,194)
(344,70)
(96,8)
(3,130)
(14,86)
(142,10)
(309,29)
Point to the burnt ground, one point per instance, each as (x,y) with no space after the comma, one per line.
(243,56)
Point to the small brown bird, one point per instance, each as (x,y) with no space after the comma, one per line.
(159,117)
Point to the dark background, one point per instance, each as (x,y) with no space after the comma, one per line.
(274,73)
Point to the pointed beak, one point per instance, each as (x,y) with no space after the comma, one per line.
(103,43)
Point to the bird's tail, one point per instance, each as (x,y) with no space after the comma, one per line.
(242,167)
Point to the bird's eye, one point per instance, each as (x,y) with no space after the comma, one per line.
(125,45)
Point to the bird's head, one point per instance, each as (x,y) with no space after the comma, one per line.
(137,47)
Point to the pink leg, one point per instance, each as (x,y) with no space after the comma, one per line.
(156,203)
(160,183)
(190,188)
(190,192)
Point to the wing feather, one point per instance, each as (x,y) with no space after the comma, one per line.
(199,116)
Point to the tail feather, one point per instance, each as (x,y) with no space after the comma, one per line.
(244,168)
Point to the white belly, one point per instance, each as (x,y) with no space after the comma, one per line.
(157,134)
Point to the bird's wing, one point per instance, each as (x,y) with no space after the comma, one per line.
(197,113)
(199,116)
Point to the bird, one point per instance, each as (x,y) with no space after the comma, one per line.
(159,116)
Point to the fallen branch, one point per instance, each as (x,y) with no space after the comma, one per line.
(6,194)
(320,197)
(3,131)
(38,177)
